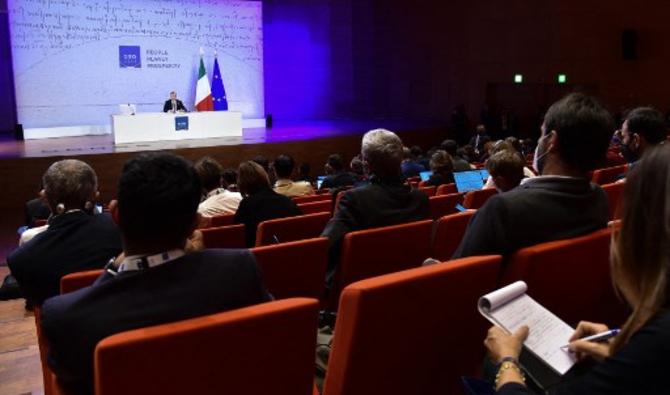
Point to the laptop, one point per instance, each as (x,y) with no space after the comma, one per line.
(319,181)
(425,175)
(470,180)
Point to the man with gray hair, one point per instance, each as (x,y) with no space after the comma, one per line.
(385,201)
(76,239)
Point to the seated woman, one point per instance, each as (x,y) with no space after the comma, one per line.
(636,360)
(260,203)
(442,167)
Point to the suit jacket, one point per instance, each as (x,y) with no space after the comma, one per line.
(201,283)
(73,242)
(539,210)
(380,203)
(262,206)
(338,180)
(168,106)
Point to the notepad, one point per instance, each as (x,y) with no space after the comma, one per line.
(510,308)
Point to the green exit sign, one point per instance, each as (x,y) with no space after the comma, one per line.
(562,78)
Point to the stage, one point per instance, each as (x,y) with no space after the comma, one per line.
(22,163)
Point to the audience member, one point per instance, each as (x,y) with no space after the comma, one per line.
(36,209)
(216,199)
(260,202)
(478,141)
(460,164)
(642,128)
(409,166)
(385,201)
(77,238)
(419,157)
(635,362)
(265,164)
(506,170)
(304,171)
(157,281)
(561,203)
(283,166)
(442,167)
(501,146)
(358,169)
(229,179)
(337,177)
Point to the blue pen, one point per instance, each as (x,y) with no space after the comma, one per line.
(598,337)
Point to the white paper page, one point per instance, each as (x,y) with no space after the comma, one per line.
(499,297)
(547,332)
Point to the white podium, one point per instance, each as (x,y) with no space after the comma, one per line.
(148,127)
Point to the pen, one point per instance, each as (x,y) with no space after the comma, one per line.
(598,337)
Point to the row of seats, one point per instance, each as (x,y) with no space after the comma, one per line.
(423,321)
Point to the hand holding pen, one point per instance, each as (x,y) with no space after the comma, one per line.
(591,340)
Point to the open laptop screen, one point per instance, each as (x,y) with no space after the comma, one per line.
(470,180)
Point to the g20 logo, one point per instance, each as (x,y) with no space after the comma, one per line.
(129,56)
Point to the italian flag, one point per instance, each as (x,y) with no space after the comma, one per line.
(203,92)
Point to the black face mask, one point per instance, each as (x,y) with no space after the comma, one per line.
(629,155)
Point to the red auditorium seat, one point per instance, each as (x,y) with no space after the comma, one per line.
(282,230)
(614,191)
(430,191)
(74,281)
(224,237)
(312,198)
(316,207)
(446,189)
(295,269)
(570,277)
(476,199)
(411,332)
(373,252)
(444,205)
(449,233)
(262,349)
(222,220)
(608,175)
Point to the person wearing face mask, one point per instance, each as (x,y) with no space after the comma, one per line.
(642,128)
(562,202)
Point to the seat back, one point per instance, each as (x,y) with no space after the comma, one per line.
(267,348)
(316,207)
(74,281)
(570,277)
(287,229)
(411,332)
(231,236)
(614,192)
(373,252)
(295,269)
(608,175)
(222,220)
(446,189)
(430,191)
(444,204)
(476,199)
(312,198)
(449,232)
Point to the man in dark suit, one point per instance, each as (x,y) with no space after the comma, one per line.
(337,176)
(385,201)
(157,280)
(479,140)
(561,203)
(76,239)
(173,104)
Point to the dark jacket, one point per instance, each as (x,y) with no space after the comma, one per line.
(338,180)
(36,209)
(540,210)
(73,242)
(640,367)
(168,106)
(438,179)
(381,203)
(262,206)
(197,284)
